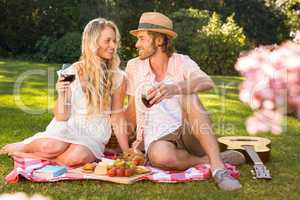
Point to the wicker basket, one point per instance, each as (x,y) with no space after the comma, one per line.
(113,142)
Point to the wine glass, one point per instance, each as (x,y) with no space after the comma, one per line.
(144,97)
(68,76)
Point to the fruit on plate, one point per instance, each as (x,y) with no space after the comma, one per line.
(130,165)
(112,171)
(119,163)
(120,171)
(121,168)
(129,172)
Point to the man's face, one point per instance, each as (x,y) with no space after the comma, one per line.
(145,45)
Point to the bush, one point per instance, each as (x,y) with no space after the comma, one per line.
(186,22)
(291,9)
(41,48)
(3,52)
(217,45)
(65,50)
(261,23)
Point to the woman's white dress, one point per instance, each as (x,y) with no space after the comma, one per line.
(93,132)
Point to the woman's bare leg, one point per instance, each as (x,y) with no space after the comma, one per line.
(75,155)
(13,147)
(44,148)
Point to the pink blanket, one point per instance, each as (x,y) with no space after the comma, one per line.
(26,166)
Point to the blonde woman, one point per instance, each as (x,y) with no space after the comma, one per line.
(88,107)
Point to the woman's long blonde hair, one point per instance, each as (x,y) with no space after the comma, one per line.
(97,71)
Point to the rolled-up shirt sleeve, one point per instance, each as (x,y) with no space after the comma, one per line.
(191,68)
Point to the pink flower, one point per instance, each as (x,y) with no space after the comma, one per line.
(22,196)
(272,85)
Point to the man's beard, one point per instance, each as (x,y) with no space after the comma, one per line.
(150,53)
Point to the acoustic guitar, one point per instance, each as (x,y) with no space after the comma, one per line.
(256,150)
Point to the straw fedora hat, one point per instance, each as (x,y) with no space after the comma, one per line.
(156,22)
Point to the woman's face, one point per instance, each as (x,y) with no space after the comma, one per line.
(107,43)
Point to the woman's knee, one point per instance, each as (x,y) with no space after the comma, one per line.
(69,160)
(72,160)
(76,157)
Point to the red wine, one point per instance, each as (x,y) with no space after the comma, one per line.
(69,77)
(146,102)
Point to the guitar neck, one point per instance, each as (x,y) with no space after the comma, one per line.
(250,145)
(253,155)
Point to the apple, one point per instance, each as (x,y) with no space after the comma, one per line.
(129,172)
(112,172)
(120,171)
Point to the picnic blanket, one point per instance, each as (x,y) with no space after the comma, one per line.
(25,167)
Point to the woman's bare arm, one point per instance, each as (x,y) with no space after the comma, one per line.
(118,120)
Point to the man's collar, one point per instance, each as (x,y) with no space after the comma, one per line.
(171,66)
(170,69)
(146,65)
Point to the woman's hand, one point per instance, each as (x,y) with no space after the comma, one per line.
(62,86)
(62,106)
(119,126)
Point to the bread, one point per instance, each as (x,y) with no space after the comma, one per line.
(142,170)
(131,155)
(89,166)
(101,168)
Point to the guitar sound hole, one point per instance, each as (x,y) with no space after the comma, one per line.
(244,140)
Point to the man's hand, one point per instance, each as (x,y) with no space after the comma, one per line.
(162,91)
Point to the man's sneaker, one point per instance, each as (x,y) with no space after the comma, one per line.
(225,181)
(233,157)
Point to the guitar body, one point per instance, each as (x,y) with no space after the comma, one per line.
(262,146)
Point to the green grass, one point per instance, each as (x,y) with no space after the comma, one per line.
(15,124)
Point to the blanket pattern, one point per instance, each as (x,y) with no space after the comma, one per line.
(25,167)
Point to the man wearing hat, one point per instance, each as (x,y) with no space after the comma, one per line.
(163,104)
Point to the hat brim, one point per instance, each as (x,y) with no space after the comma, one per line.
(170,33)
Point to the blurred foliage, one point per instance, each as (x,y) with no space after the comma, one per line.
(186,23)
(217,45)
(289,8)
(30,26)
(42,46)
(261,22)
(65,50)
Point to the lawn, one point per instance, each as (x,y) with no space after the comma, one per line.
(228,115)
